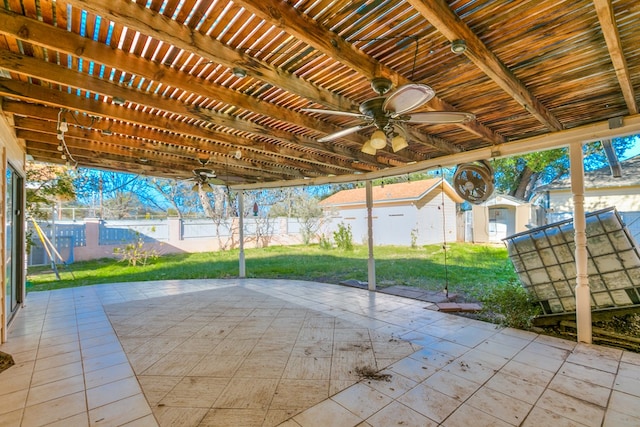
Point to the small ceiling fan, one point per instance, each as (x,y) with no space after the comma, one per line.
(388,113)
(204,177)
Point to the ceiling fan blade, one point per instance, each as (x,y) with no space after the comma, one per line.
(407,97)
(215,181)
(204,173)
(439,117)
(344,132)
(334,112)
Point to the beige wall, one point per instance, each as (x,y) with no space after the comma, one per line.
(177,244)
(480,224)
(523,217)
(625,199)
(13,152)
(481,217)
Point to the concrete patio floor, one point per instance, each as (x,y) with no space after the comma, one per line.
(291,353)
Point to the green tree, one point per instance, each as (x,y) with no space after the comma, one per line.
(518,176)
(305,208)
(46,186)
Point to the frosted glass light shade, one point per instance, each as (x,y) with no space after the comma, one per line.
(378,140)
(398,143)
(368,149)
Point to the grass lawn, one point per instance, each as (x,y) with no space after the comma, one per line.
(468,267)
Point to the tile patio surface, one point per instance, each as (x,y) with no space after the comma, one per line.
(259,352)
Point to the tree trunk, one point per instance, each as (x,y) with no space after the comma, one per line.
(523,183)
(206,203)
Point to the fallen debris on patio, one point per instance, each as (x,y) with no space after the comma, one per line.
(369,373)
(6,361)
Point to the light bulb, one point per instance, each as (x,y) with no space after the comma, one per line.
(63,126)
(63,157)
(368,149)
(398,142)
(60,147)
(378,140)
(60,136)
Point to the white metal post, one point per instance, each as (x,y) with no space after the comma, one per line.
(372,262)
(242,266)
(583,293)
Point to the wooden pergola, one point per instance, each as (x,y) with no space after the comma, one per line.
(162,87)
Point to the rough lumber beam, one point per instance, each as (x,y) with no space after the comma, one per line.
(94,161)
(148,22)
(147,149)
(309,31)
(67,77)
(83,148)
(162,28)
(607,20)
(438,13)
(59,40)
(156,138)
(58,99)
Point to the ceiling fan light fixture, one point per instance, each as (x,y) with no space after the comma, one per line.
(378,140)
(398,142)
(239,72)
(368,149)
(458,46)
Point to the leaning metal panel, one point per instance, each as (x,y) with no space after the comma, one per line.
(544,260)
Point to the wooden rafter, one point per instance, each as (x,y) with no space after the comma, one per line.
(117,143)
(172,62)
(71,78)
(308,30)
(169,31)
(72,102)
(604,9)
(139,18)
(438,13)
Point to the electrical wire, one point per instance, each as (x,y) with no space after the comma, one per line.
(66,154)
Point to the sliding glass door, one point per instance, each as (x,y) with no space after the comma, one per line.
(14,246)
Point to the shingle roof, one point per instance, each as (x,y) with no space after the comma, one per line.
(602,177)
(408,191)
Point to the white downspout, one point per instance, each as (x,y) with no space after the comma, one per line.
(371,266)
(583,293)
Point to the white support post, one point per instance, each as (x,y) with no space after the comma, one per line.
(242,265)
(371,266)
(583,293)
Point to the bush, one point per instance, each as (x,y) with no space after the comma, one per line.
(325,243)
(414,238)
(509,304)
(343,237)
(135,253)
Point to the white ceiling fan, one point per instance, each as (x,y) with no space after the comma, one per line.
(204,177)
(388,113)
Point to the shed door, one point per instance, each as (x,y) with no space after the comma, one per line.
(502,223)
